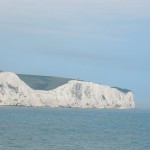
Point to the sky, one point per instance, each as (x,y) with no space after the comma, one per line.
(103,41)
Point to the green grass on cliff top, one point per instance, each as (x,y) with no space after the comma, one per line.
(43,82)
(49,82)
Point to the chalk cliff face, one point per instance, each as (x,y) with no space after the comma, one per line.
(13,91)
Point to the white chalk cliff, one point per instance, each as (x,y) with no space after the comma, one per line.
(13,91)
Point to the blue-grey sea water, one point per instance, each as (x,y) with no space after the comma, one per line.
(28,128)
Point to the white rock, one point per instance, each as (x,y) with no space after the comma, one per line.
(13,91)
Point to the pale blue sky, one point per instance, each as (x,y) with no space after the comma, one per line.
(104,41)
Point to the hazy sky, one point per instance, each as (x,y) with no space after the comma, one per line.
(104,41)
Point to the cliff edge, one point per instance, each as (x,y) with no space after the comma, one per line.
(14,92)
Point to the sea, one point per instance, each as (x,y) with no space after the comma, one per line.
(43,128)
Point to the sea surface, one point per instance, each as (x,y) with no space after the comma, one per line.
(28,128)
